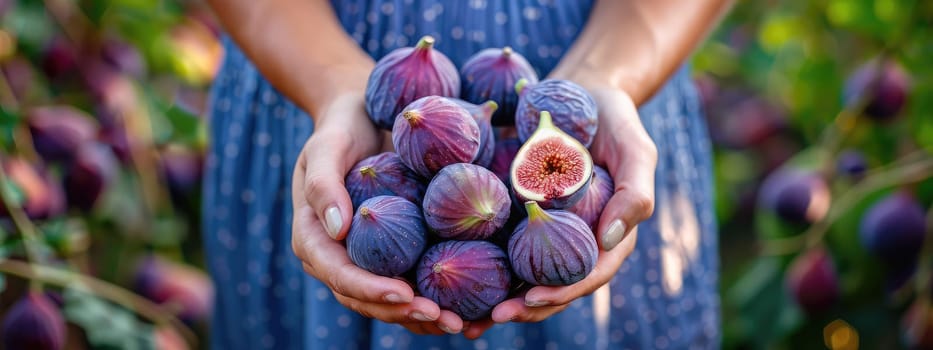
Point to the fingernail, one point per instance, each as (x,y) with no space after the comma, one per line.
(420,317)
(332,221)
(613,235)
(536,303)
(394,299)
(447,330)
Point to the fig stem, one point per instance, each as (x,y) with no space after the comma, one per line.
(437,268)
(490,107)
(506,51)
(412,117)
(364,211)
(545,121)
(368,171)
(534,211)
(520,85)
(426,42)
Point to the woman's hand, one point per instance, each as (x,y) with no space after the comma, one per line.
(624,148)
(342,137)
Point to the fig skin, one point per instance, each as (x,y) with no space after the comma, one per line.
(552,247)
(797,196)
(505,151)
(893,229)
(812,280)
(405,75)
(434,132)
(540,182)
(466,202)
(383,174)
(594,200)
(90,174)
(572,108)
(58,131)
(884,85)
(482,114)
(34,322)
(387,236)
(467,277)
(491,74)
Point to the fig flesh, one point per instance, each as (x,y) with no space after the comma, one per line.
(572,108)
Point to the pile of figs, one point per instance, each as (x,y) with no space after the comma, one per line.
(491,187)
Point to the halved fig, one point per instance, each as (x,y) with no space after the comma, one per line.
(551,168)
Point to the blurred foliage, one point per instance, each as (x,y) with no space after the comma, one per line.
(776,79)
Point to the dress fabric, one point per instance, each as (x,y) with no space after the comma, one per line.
(664,295)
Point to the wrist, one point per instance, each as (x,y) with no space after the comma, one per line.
(336,86)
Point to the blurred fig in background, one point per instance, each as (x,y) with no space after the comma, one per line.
(812,281)
(60,58)
(89,174)
(917,325)
(116,137)
(166,338)
(884,85)
(851,163)
(34,323)
(20,75)
(59,131)
(795,195)
(41,198)
(123,57)
(748,123)
(893,229)
(181,168)
(185,287)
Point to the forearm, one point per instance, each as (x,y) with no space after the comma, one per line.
(299,46)
(636,45)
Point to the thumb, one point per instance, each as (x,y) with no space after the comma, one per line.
(327,159)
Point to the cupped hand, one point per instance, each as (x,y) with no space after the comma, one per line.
(322,214)
(624,148)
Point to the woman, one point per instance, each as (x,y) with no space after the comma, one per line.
(304,66)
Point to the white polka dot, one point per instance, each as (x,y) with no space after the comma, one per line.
(673,332)
(252,266)
(226,188)
(616,335)
(321,332)
(673,310)
(388,40)
(235,129)
(224,105)
(263,139)
(386,341)
(501,18)
(401,41)
(631,326)
(480,344)
(265,280)
(372,44)
(651,316)
(343,321)
(456,32)
(556,51)
(618,300)
(268,97)
(429,15)
(409,29)
(279,112)
(231,150)
(531,13)
(661,343)
(638,291)
(478,4)
(518,342)
(654,292)
(522,39)
(477,36)
(551,345)
(243,288)
(266,245)
(653,253)
(294,283)
(579,338)
(542,51)
(321,293)
(275,160)
(387,8)
(247,196)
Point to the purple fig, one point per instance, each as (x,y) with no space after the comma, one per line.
(597,195)
(505,152)
(893,229)
(884,86)
(123,57)
(42,198)
(383,174)
(571,107)
(551,168)
(58,131)
(34,322)
(491,74)
(749,122)
(917,325)
(434,132)
(167,282)
(115,136)
(552,247)
(89,175)
(387,235)
(796,196)
(466,202)
(405,75)
(466,277)
(181,167)
(812,281)
(851,163)
(487,139)
(60,58)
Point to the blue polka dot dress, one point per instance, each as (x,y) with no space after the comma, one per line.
(663,297)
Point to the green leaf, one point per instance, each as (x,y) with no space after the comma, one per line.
(106,325)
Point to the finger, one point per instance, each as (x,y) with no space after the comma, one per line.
(606,267)
(515,310)
(477,328)
(632,201)
(328,156)
(449,322)
(349,280)
(419,310)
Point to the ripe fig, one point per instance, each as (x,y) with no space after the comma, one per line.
(487,139)
(884,86)
(434,132)
(383,174)
(34,322)
(405,75)
(551,168)
(917,325)
(466,202)
(851,163)
(167,282)
(552,247)
(466,277)
(505,152)
(491,74)
(41,197)
(796,196)
(387,235)
(571,106)
(597,195)
(88,176)
(893,229)
(123,57)
(59,58)
(58,131)
(181,168)
(812,281)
